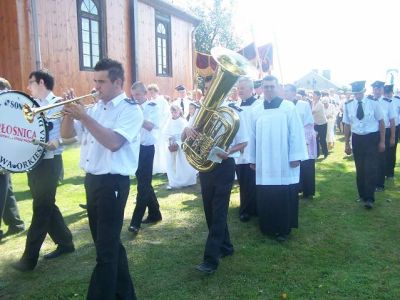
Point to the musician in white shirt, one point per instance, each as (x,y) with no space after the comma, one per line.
(109,156)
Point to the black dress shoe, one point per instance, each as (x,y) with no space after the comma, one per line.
(225,254)
(24,265)
(1,234)
(368,205)
(14,230)
(84,206)
(244,217)
(281,238)
(151,220)
(206,267)
(133,229)
(59,251)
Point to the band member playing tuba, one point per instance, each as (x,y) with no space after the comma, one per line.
(216,186)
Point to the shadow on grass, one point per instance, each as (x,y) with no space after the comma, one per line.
(75,180)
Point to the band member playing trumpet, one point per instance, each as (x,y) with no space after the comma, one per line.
(109,155)
(42,181)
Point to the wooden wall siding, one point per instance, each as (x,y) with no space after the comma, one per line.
(181,52)
(58,36)
(15,45)
(58,33)
(118,36)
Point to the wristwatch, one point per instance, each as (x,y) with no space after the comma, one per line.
(60,142)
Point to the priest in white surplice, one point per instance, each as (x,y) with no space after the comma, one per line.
(278,136)
(179,172)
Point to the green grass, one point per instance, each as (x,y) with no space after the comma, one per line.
(340,251)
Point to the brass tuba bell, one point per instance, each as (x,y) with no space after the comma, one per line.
(217,126)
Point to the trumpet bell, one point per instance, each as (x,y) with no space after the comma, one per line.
(30,112)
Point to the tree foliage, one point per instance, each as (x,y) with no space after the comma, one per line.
(216,27)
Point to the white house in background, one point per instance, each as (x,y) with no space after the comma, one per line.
(316,81)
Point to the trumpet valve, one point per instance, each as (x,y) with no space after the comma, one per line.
(28,113)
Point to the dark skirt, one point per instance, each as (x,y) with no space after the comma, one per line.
(277,207)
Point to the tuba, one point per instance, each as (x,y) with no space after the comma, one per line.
(217,126)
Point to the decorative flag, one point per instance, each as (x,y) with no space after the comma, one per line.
(265,53)
(250,52)
(205,64)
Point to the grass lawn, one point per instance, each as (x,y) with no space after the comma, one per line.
(340,251)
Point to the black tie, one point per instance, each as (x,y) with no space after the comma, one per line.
(360,111)
(182,106)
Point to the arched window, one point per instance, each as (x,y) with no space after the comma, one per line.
(163,45)
(90,27)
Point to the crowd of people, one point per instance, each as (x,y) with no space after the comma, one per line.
(282,133)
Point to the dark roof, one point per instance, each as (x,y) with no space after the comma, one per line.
(172,10)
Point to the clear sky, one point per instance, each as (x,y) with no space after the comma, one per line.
(354,39)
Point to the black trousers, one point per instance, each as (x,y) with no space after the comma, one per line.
(383,161)
(321,139)
(247,182)
(4,182)
(216,187)
(145,193)
(8,204)
(307,177)
(46,217)
(391,155)
(106,199)
(366,159)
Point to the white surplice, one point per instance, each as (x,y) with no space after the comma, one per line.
(160,157)
(180,173)
(278,136)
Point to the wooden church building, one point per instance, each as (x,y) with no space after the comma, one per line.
(151,38)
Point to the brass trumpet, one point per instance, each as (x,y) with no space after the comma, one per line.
(31,112)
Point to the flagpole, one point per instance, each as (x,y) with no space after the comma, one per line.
(259,65)
(277,55)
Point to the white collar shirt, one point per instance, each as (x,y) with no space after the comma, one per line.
(185,102)
(372,115)
(152,114)
(124,118)
(396,106)
(388,110)
(54,132)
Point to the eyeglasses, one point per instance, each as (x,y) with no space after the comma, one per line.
(268,86)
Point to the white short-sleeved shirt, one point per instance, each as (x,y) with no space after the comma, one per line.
(372,115)
(396,106)
(124,118)
(151,113)
(387,109)
(54,132)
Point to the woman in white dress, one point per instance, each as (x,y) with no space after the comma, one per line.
(179,172)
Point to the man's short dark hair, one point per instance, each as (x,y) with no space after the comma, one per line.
(271,78)
(317,93)
(44,75)
(114,68)
(291,87)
